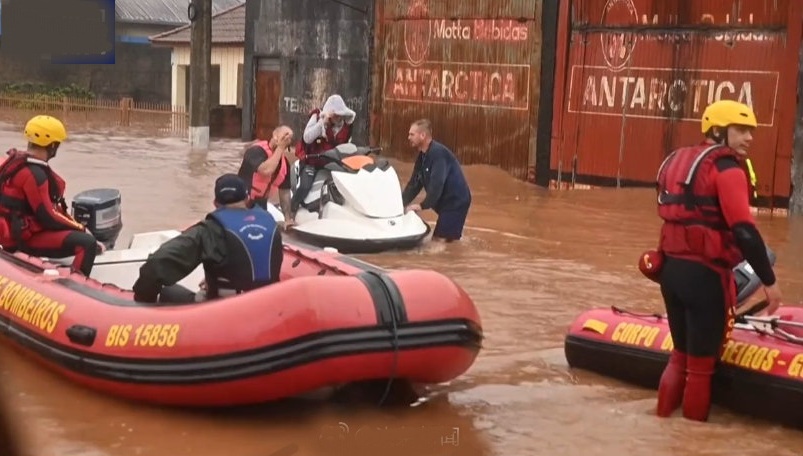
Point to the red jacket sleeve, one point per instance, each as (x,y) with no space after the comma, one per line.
(733,197)
(37,191)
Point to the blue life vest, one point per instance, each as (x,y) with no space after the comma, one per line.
(249,248)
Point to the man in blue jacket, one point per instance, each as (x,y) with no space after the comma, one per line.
(438,172)
(238,245)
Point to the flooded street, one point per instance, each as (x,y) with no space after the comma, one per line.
(532,260)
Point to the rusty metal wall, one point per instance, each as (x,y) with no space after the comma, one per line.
(323,49)
(472,68)
(639,73)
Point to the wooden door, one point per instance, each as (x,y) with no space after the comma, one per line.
(268,97)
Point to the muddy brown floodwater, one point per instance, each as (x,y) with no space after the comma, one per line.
(531,260)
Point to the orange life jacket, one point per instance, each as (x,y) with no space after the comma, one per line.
(694,226)
(329,140)
(261,185)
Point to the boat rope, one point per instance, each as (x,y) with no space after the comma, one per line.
(395,366)
(394,324)
(619,310)
(775,324)
(324,266)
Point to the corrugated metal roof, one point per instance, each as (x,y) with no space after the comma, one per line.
(228,27)
(167,12)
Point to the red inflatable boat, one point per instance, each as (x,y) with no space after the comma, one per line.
(761,368)
(332,320)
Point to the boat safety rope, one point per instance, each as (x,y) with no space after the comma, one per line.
(768,326)
(324,266)
(619,310)
(395,366)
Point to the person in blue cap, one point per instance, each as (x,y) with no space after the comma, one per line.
(239,245)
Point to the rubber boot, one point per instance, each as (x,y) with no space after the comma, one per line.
(673,380)
(697,395)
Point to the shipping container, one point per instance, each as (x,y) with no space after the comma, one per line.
(472,68)
(634,76)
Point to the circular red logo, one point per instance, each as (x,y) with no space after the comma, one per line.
(617,46)
(417,32)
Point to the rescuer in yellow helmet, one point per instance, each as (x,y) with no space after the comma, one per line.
(33,213)
(708,229)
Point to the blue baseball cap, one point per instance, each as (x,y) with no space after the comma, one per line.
(230,188)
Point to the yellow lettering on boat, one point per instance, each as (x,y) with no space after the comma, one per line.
(750,356)
(118,335)
(796,366)
(668,344)
(145,335)
(635,334)
(21,303)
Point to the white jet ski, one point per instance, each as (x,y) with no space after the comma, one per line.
(355,205)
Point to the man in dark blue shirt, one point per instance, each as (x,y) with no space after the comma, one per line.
(438,172)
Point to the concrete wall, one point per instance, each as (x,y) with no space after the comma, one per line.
(229,58)
(140,71)
(323,48)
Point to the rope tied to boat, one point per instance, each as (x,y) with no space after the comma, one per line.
(324,266)
(621,311)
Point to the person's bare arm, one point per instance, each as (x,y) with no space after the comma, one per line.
(268,167)
(284,203)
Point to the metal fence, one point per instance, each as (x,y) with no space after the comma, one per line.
(89,114)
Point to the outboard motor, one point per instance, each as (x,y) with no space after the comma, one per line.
(747,282)
(100,210)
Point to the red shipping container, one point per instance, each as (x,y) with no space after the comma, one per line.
(634,76)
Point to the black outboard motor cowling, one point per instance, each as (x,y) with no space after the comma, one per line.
(747,282)
(100,210)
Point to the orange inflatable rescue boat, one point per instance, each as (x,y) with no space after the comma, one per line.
(332,320)
(760,372)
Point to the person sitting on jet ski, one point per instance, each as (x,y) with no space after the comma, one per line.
(239,245)
(326,129)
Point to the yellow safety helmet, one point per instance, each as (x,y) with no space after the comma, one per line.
(45,130)
(727,112)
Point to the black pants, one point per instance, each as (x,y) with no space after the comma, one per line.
(62,244)
(699,303)
(176,294)
(305,180)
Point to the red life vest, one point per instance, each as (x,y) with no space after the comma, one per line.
(261,185)
(694,226)
(17,220)
(329,140)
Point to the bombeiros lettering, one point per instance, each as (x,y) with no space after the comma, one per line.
(750,356)
(25,304)
(635,334)
(144,335)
